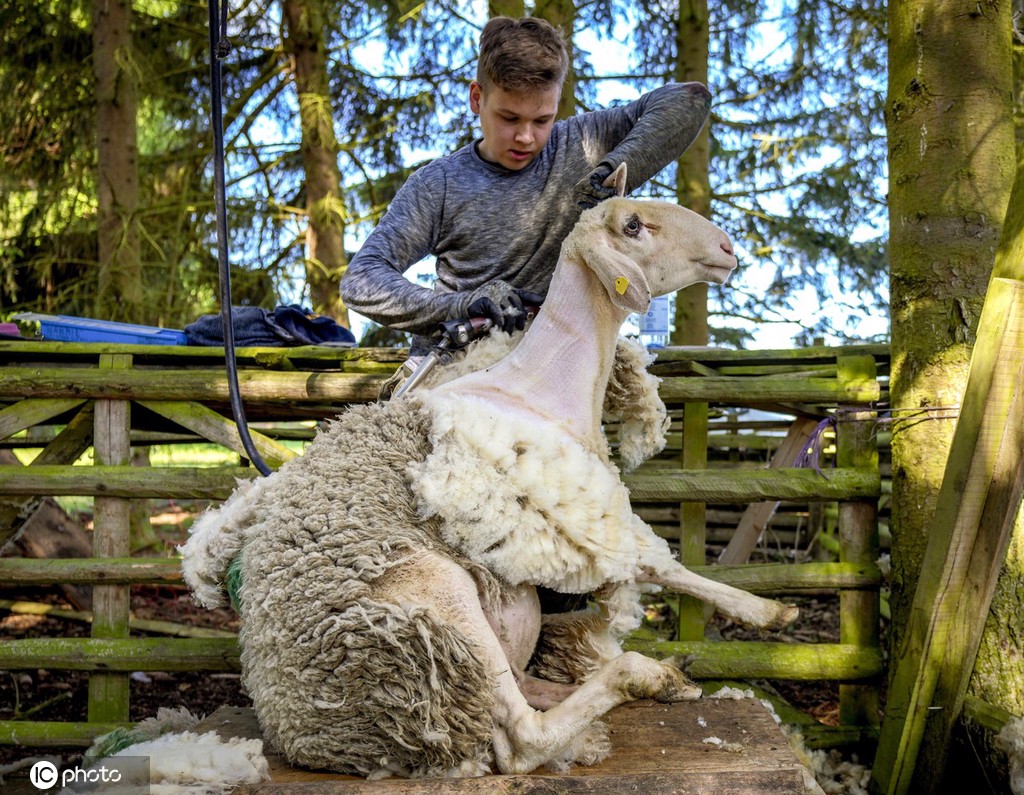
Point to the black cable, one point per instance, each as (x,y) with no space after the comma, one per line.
(220,46)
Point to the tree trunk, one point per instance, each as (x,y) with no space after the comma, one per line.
(506,8)
(693,187)
(951,164)
(119,286)
(325,251)
(562,14)
(693,190)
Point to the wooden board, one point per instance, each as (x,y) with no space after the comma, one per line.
(656,748)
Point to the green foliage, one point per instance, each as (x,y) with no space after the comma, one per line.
(797,154)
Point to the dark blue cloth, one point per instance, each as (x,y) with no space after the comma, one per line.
(308,328)
(254,326)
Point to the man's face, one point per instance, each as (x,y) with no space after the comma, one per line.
(516,126)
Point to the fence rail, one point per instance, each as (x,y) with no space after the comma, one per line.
(67,397)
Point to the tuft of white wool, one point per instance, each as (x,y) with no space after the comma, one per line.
(527,500)
(187,763)
(1011,740)
(591,746)
(825,772)
(624,608)
(215,538)
(166,721)
(633,401)
(833,774)
(734,694)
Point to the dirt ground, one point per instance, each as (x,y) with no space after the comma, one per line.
(62,695)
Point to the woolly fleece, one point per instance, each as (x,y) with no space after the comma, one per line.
(529,502)
(186,763)
(340,680)
(1011,740)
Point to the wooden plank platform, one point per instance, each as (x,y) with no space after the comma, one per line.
(657,749)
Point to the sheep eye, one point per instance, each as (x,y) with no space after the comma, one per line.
(633,226)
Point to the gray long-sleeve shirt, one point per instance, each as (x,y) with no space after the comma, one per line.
(484,222)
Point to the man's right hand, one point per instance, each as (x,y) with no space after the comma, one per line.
(503,304)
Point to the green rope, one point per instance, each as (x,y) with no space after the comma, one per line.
(233,582)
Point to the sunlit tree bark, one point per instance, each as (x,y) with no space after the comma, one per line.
(562,14)
(951,161)
(119,293)
(325,251)
(693,186)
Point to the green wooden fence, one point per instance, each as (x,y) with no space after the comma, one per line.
(77,396)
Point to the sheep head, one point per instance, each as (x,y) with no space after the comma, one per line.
(640,249)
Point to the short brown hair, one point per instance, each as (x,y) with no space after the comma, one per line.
(521,54)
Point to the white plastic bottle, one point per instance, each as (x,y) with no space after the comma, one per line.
(655,324)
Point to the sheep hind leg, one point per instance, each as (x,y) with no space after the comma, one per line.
(524,738)
(735,603)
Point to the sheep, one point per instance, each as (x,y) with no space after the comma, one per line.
(388,576)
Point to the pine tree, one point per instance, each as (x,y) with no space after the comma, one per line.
(796,154)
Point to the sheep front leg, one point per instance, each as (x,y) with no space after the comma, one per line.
(733,602)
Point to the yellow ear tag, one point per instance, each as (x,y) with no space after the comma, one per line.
(621,285)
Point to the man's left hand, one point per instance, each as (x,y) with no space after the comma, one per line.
(591,190)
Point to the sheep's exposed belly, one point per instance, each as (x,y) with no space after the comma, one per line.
(528,501)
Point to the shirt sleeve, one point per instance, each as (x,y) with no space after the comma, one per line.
(650,132)
(374,284)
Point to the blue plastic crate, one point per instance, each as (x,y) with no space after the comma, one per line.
(83,329)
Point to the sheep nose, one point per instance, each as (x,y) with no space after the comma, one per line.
(726,245)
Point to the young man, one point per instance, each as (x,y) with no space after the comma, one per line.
(495,212)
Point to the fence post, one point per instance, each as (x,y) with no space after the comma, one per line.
(857,446)
(693,517)
(108,692)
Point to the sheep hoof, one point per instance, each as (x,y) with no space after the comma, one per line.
(677,687)
(784,616)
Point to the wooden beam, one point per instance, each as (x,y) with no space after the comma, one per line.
(767,389)
(108,692)
(753,485)
(761,578)
(257,386)
(764,660)
(756,517)
(856,446)
(692,518)
(121,654)
(217,428)
(55,733)
(966,545)
(213,483)
(89,571)
(26,413)
(218,483)
(821,354)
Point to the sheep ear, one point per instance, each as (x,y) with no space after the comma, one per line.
(617,180)
(621,276)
